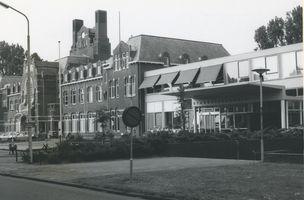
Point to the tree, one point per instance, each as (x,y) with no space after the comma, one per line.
(181,99)
(102,117)
(279,32)
(261,38)
(11,59)
(293,26)
(275,31)
(36,57)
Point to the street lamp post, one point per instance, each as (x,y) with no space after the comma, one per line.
(261,71)
(28,79)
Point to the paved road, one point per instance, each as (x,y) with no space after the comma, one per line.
(22,189)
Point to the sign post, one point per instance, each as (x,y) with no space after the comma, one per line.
(131,117)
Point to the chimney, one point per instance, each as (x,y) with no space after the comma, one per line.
(77,24)
(100,24)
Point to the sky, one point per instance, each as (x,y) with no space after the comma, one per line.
(231,23)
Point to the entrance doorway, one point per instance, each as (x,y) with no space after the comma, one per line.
(209,120)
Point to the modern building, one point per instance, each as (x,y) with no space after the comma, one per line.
(223,93)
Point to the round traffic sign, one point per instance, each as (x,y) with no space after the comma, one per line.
(131,116)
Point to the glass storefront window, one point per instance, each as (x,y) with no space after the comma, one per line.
(158,120)
(288,64)
(272,64)
(300,62)
(240,121)
(257,63)
(244,71)
(231,72)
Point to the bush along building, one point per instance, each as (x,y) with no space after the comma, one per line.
(224,93)
(44,99)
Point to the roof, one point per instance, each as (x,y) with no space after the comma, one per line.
(9,80)
(48,68)
(148,48)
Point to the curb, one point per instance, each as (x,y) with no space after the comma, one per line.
(110,191)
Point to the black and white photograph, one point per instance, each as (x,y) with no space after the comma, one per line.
(151,99)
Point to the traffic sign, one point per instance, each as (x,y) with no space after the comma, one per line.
(131,116)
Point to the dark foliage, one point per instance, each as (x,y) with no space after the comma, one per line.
(152,144)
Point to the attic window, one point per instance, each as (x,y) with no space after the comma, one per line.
(81,74)
(90,72)
(184,58)
(165,58)
(65,78)
(201,58)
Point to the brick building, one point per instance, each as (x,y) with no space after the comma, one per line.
(44,99)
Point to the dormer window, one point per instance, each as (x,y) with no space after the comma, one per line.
(65,78)
(184,58)
(201,58)
(165,58)
(99,70)
(90,72)
(81,74)
(73,75)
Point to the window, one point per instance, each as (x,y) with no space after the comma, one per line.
(66,98)
(91,126)
(65,78)
(116,88)
(299,62)
(117,119)
(105,76)
(81,95)
(288,64)
(11,105)
(231,72)
(90,94)
(73,97)
(16,105)
(22,97)
(112,89)
(67,121)
(256,64)
(82,122)
(123,61)
(90,74)
(81,74)
(127,89)
(98,93)
(132,86)
(115,63)
(99,70)
(74,123)
(244,70)
(166,61)
(272,65)
(73,75)
(113,120)
(127,60)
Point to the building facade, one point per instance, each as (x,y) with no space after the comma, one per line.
(223,93)
(44,99)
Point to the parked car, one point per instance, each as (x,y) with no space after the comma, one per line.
(21,136)
(8,136)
